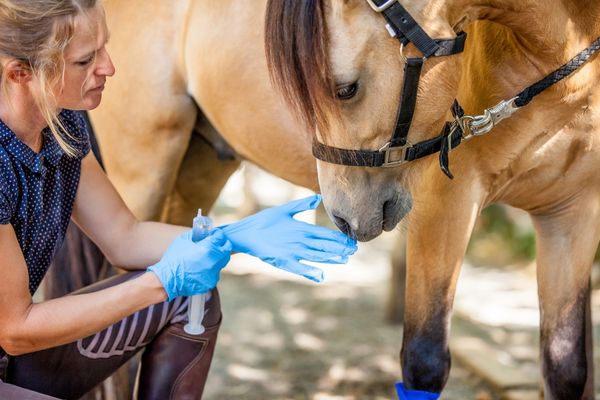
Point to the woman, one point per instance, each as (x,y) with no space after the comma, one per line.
(53,60)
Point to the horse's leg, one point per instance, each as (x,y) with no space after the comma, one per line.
(201,177)
(438,235)
(394,307)
(567,241)
(588,393)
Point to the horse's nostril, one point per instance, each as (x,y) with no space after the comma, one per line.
(392,214)
(343,225)
(387,206)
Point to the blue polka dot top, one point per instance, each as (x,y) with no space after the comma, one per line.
(37,191)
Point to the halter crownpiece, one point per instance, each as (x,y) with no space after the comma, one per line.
(398,151)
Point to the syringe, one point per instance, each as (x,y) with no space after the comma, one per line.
(201,227)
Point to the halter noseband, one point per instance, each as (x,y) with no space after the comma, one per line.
(398,150)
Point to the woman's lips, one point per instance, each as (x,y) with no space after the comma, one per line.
(98,88)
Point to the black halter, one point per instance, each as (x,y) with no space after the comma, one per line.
(398,150)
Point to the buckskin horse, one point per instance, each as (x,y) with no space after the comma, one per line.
(510,115)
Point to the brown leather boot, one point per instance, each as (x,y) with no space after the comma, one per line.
(175,364)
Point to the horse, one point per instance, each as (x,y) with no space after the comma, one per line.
(467,102)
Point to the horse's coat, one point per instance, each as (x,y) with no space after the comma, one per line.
(181,64)
(544,159)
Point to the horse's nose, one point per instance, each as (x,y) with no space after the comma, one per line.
(343,225)
(365,224)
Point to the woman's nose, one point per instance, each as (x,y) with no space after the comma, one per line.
(105,66)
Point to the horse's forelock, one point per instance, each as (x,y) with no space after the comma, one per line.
(296,48)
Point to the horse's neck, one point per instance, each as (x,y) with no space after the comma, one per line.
(551,24)
(517,42)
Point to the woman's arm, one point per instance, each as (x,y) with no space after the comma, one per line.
(101,213)
(27,327)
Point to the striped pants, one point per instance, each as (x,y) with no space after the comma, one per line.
(174,364)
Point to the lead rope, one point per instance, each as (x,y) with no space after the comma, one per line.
(528,94)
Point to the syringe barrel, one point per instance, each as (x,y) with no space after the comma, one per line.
(201,227)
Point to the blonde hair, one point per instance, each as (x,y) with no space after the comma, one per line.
(37,32)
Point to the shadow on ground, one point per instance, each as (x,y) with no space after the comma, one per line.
(289,340)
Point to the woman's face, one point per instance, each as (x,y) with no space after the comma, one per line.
(87,63)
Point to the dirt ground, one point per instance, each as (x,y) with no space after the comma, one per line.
(283,338)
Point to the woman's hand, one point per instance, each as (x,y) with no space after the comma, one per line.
(188,268)
(274,236)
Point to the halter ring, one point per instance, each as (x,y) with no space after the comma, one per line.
(402,56)
(381,8)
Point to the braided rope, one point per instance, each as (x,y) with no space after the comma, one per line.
(528,94)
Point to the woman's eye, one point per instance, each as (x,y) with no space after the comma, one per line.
(347,92)
(85,62)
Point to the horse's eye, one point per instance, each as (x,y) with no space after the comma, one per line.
(347,92)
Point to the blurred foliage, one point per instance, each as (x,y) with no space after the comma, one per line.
(502,236)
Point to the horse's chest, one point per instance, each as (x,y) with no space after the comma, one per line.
(548,171)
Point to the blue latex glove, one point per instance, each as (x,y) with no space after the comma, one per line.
(274,236)
(189,268)
(405,394)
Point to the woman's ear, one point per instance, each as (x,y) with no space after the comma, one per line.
(17,71)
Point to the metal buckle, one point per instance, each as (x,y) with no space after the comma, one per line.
(382,7)
(482,124)
(389,151)
(464,124)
